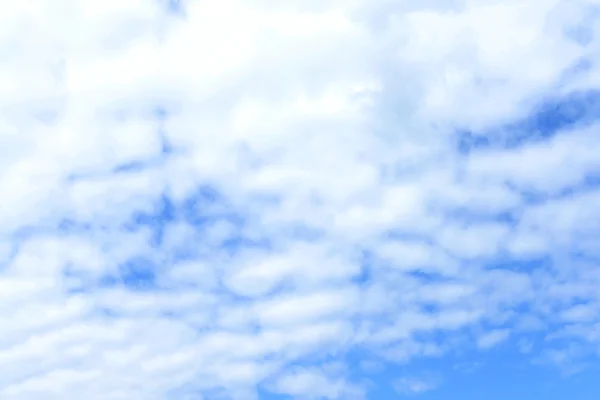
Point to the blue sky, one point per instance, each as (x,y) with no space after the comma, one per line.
(343,199)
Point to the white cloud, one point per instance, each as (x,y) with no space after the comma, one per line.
(314,384)
(492,338)
(416,385)
(312,200)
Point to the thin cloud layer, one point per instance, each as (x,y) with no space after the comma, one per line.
(236,199)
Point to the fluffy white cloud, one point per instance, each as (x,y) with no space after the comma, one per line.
(225,198)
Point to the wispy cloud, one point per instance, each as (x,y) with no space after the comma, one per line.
(416,385)
(228,198)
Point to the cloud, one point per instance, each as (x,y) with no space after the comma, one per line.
(415,386)
(221,199)
(315,383)
(492,338)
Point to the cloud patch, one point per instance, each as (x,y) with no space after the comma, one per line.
(227,199)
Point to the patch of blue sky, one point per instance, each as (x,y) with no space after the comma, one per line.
(468,216)
(367,259)
(138,274)
(204,204)
(526,263)
(174,6)
(68,226)
(498,374)
(134,166)
(551,116)
(575,110)
(135,274)
(207,207)
(155,220)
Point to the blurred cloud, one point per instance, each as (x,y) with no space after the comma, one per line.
(226,199)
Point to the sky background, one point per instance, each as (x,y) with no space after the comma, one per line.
(333,199)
